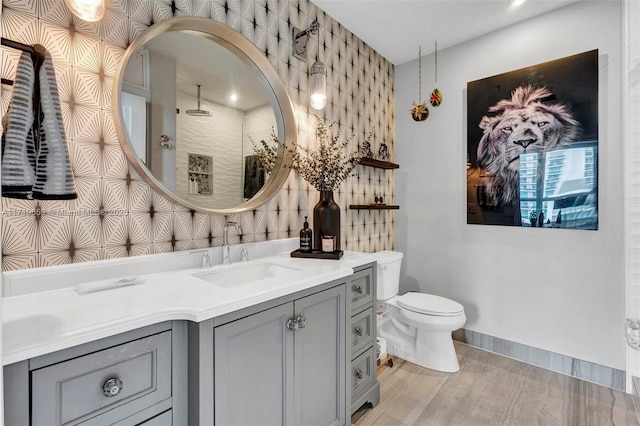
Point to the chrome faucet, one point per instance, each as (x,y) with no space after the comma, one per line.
(226,256)
(206,261)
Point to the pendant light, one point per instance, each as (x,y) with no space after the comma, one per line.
(87,10)
(318,85)
(419,112)
(318,71)
(436,96)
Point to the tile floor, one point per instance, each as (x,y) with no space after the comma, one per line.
(491,389)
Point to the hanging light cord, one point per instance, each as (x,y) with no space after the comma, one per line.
(419,74)
(436,61)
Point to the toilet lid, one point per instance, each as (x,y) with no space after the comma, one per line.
(429,304)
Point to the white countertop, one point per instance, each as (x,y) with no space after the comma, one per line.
(45,321)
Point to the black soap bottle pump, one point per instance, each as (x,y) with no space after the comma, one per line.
(306,237)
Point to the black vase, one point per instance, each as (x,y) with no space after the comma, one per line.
(326,220)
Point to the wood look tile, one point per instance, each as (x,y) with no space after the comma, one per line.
(636,392)
(491,389)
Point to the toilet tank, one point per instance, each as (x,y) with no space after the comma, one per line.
(388,273)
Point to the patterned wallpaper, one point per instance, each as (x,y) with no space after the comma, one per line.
(117,214)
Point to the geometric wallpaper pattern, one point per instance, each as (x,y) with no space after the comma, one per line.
(116,213)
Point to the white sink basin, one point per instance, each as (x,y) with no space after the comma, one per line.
(243,273)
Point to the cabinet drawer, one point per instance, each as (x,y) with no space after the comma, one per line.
(74,391)
(362,330)
(361,289)
(164,419)
(362,371)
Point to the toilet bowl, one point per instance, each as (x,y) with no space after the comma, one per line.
(417,326)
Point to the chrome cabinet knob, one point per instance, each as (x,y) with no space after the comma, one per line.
(359,374)
(294,324)
(359,289)
(112,387)
(359,331)
(302,322)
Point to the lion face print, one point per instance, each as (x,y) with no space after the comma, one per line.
(520,124)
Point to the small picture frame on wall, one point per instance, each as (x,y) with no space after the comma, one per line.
(532,146)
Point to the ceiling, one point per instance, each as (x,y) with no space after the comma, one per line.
(218,70)
(395,28)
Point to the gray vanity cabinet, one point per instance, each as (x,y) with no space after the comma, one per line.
(306,358)
(275,365)
(129,379)
(362,378)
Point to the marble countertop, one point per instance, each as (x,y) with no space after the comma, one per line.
(67,315)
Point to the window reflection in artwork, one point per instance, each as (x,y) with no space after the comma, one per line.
(558,188)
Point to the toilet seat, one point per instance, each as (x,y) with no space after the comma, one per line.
(430,304)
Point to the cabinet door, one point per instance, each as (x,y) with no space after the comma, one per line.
(320,353)
(252,356)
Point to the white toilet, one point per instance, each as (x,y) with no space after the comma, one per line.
(416,326)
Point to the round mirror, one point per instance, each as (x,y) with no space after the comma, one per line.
(194,101)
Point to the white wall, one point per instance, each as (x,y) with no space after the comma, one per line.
(558,290)
(163,117)
(632,103)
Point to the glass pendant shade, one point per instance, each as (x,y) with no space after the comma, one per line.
(87,10)
(318,85)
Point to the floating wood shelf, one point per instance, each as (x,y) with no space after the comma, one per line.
(378,163)
(375,207)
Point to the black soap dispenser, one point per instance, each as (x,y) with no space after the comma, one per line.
(306,238)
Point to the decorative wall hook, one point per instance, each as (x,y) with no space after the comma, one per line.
(301,38)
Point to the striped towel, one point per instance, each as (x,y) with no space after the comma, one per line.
(54,176)
(19,158)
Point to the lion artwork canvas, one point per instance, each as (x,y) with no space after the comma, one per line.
(532,146)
